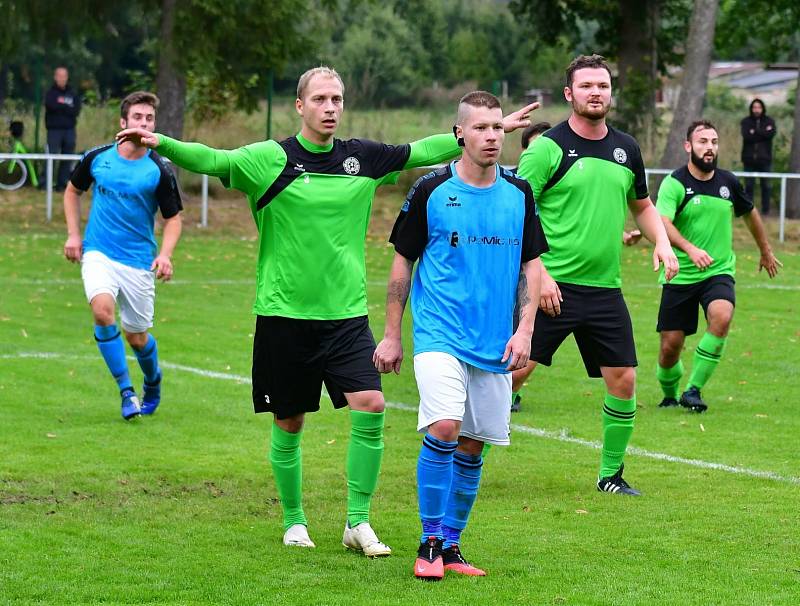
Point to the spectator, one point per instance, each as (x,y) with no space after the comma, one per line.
(62,107)
(758,130)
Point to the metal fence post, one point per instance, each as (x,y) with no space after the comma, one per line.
(204,206)
(49,188)
(783,209)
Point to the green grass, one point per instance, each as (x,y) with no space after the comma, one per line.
(181,508)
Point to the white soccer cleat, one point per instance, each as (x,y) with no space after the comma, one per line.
(297,536)
(363,538)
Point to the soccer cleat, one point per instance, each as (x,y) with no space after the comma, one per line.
(516,403)
(667,402)
(297,536)
(617,485)
(363,538)
(429,565)
(454,560)
(691,399)
(130,404)
(151,397)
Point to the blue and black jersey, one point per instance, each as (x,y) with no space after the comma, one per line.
(126,196)
(470,243)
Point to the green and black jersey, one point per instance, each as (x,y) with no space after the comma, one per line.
(702,211)
(582,188)
(311,205)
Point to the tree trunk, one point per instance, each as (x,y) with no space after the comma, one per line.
(638,77)
(793,185)
(699,46)
(170,82)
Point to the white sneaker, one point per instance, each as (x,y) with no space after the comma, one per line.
(363,538)
(297,536)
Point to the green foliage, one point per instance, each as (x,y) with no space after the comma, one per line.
(720,97)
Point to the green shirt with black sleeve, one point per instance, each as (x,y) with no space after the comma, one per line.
(311,205)
(702,211)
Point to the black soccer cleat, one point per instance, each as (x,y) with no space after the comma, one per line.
(668,402)
(691,399)
(617,485)
(516,403)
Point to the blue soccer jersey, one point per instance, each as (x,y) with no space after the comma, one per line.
(126,196)
(470,243)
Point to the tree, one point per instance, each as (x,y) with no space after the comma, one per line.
(699,46)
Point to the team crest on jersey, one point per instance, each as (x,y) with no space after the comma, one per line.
(724,192)
(351,165)
(620,155)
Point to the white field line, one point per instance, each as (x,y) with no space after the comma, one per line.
(533,431)
(248,282)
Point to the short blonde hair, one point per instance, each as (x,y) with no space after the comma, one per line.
(322,70)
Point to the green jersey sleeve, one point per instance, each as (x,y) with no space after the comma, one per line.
(670,195)
(538,163)
(250,169)
(432,150)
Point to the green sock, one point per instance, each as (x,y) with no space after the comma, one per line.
(486,448)
(706,357)
(514,395)
(364,456)
(618,418)
(670,379)
(286,458)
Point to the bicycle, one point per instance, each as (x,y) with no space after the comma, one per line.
(15,173)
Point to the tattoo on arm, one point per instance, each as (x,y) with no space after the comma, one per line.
(398,291)
(522,291)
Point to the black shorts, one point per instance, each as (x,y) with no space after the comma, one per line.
(599,319)
(293,358)
(678,310)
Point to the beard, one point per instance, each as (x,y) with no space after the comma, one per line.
(585,111)
(702,164)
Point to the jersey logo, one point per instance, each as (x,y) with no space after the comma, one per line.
(572,154)
(620,155)
(724,192)
(689,191)
(299,167)
(351,165)
(454,239)
(452,201)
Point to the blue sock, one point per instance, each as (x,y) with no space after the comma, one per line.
(434,474)
(148,360)
(463,491)
(109,342)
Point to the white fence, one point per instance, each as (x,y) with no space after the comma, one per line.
(51,158)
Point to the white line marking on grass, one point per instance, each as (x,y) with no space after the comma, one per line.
(532,431)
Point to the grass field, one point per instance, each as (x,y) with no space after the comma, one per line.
(181,508)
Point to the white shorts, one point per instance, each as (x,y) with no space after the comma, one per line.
(133,289)
(454,390)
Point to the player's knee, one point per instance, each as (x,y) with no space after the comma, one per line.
(621,382)
(137,340)
(446,430)
(291,424)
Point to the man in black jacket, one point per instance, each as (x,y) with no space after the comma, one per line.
(62,106)
(758,130)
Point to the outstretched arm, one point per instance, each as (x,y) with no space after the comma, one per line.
(195,157)
(649,221)
(768,260)
(388,354)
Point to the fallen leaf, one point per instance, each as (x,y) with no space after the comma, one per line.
(330,441)
(702,428)
(51,435)
(581,511)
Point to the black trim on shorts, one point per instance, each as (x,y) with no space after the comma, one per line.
(292,359)
(679,302)
(600,322)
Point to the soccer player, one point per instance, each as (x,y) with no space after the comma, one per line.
(697,202)
(474,229)
(584,174)
(117,254)
(311,197)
